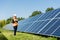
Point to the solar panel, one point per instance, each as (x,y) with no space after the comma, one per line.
(56,32)
(48,26)
(49,22)
(45,24)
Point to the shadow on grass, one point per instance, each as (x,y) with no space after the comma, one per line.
(2,37)
(46,36)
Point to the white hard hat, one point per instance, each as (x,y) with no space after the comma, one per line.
(14,15)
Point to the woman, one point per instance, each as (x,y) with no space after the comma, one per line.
(15,23)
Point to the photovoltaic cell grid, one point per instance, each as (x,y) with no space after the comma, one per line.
(45,24)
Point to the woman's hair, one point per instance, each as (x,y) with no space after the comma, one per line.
(15,17)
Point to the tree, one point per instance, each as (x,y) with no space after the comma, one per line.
(2,23)
(8,20)
(49,9)
(20,18)
(35,13)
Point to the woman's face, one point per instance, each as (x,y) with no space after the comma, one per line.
(14,17)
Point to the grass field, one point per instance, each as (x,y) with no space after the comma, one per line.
(2,37)
(23,36)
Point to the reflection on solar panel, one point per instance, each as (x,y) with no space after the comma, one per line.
(45,24)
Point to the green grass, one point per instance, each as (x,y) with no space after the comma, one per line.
(2,37)
(24,36)
(6,34)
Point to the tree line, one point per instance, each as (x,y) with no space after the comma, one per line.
(7,21)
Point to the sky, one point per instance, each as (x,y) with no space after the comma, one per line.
(24,8)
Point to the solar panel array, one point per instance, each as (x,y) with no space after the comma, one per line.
(45,24)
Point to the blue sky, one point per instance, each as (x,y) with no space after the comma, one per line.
(24,8)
